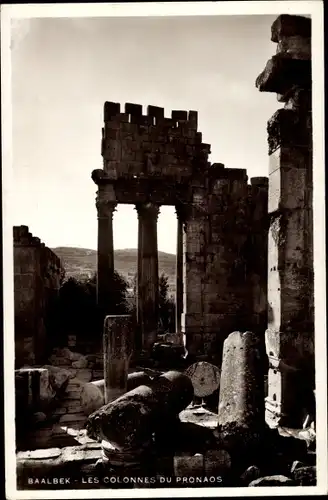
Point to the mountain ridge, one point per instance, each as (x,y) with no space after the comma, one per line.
(82,262)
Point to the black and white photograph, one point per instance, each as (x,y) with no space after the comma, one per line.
(164,254)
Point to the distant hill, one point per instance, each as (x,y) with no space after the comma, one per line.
(83,261)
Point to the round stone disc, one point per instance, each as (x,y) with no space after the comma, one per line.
(205,378)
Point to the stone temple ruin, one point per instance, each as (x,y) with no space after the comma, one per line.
(244,285)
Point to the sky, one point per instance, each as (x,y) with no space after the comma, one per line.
(64,69)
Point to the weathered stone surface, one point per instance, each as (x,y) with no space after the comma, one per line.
(217,462)
(66,461)
(130,421)
(40,454)
(118,348)
(250,474)
(187,464)
(37,270)
(290,26)
(282,72)
(200,416)
(296,465)
(33,391)
(241,368)
(158,161)
(306,476)
(147,282)
(92,394)
(290,333)
(80,363)
(58,377)
(273,481)
(67,418)
(288,128)
(84,375)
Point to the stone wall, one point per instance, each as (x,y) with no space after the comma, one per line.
(137,146)
(37,274)
(149,161)
(225,259)
(60,422)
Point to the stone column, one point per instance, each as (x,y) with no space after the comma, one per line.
(179,272)
(117,348)
(290,333)
(258,254)
(241,403)
(148,274)
(105,255)
(138,340)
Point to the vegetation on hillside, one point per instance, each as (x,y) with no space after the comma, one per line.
(81,263)
(75,310)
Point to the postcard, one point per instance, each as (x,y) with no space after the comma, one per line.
(164,249)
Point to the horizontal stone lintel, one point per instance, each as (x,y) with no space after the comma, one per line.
(282,72)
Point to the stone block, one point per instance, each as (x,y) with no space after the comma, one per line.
(111,109)
(155,111)
(131,420)
(92,395)
(179,115)
(190,465)
(74,383)
(193,119)
(80,363)
(39,454)
(282,73)
(97,374)
(217,462)
(297,47)
(74,406)
(68,419)
(133,109)
(289,189)
(241,411)
(118,345)
(73,394)
(84,375)
(112,151)
(306,476)
(290,26)
(278,480)
(58,377)
(250,474)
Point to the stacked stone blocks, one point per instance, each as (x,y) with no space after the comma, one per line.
(141,146)
(37,274)
(290,333)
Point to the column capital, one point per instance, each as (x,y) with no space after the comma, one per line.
(147,209)
(105,208)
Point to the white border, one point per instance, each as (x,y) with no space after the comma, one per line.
(313,8)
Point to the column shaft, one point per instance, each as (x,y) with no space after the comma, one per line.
(148,274)
(105,255)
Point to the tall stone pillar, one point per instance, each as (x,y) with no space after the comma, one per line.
(117,349)
(179,273)
(105,255)
(290,333)
(147,298)
(258,254)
